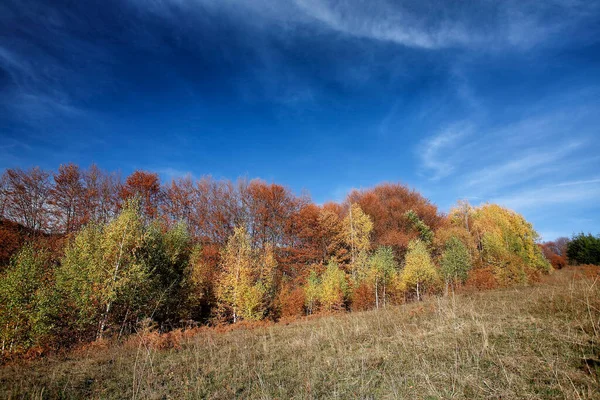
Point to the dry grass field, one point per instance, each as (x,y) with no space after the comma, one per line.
(532,342)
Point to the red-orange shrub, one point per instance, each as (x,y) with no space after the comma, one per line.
(481,279)
(363,297)
(558,262)
(291,302)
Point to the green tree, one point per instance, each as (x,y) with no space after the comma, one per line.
(584,249)
(383,267)
(425,232)
(79,282)
(312,292)
(419,273)
(455,262)
(26,301)
(165,255)
(104,269)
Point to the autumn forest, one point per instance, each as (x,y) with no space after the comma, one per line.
(87,255)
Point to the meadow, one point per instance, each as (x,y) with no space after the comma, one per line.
(535,341)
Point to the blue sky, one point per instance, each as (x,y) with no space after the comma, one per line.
(483,100)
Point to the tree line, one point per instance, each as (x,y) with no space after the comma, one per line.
(85,254)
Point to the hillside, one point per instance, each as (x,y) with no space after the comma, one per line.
(540,341)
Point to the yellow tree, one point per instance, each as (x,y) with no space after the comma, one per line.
(245,280)
(419,273)
(333,288)
(236,273)
(357,229)
(508,244)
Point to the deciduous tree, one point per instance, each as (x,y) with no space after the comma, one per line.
(66,199)
(146,186)
(26,301)
(357,231)
(383,267)
(455,262)
(387,205)
(418,273)
(333,288)
(27,198)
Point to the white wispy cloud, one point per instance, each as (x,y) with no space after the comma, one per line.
(437,152)
(377,20)
(519,23)
(566,193)
(580,182)
(531,164)
(170,173)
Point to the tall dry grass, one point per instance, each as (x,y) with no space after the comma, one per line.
(530,342)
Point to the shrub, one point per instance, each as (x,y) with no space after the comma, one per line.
(290,301)
(363,297)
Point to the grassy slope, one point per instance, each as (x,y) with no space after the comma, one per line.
(516,343)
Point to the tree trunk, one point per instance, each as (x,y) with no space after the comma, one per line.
(376,295)
(103,321)
(114,279)
(418,294)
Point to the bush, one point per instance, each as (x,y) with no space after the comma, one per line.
(557,261)
(363,297)
(290,301)
(481,279)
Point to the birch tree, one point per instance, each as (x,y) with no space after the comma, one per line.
(383,267)
(419,273)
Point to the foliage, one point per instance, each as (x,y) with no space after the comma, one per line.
(334,244)
(165,255)
(110,274)
(197,286)
(584,249)
(145,186)
(312,292)
(387,205)
(357,229)
(425,233)
(290,301)
(419,273)
(190,251)
(456,262)
(245,282)
(383,267)
(26,301)
(333,288)
(508,244)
